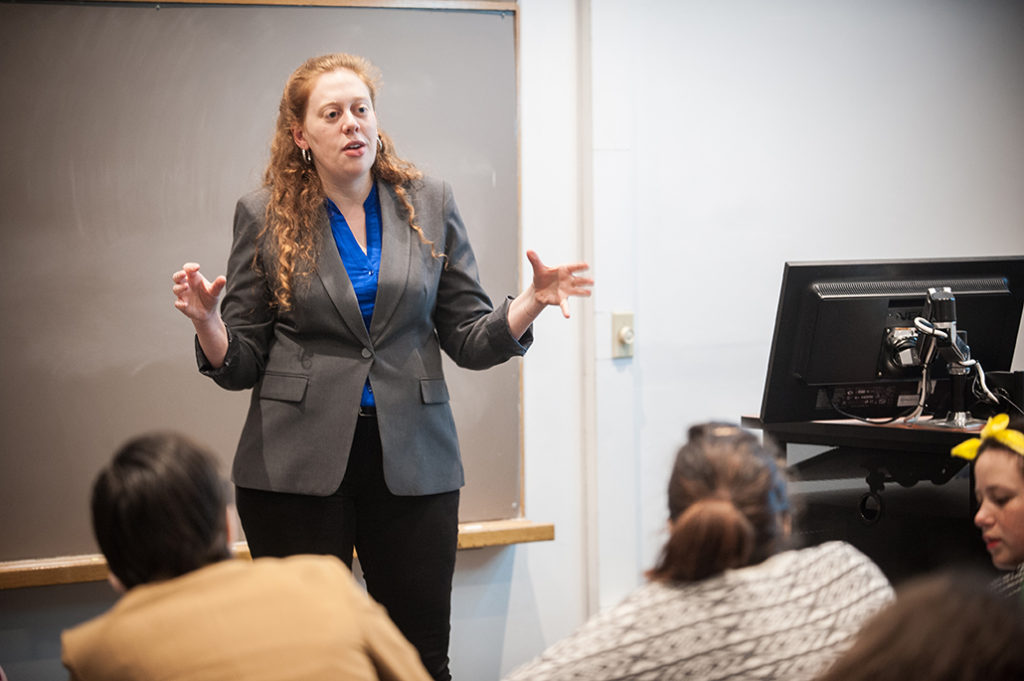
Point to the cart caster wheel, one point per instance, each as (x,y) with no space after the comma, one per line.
(870,508)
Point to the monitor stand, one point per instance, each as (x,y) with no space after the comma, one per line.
(960,420)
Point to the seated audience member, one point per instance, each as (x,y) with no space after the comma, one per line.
(998,460)
(191,612)
(723,600)
(946,626)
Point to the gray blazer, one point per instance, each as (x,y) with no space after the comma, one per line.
(307,365)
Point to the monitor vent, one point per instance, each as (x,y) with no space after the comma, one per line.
(908,287)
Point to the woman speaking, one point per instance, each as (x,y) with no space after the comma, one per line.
(349,272)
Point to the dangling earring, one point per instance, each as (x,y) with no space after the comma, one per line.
(307,157)
(380,144)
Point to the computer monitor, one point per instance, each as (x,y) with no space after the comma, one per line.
(846,338)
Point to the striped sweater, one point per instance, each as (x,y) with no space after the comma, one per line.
(785,618)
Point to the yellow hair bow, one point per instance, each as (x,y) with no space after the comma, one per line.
(996,430)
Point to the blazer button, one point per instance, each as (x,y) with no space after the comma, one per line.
(367,353)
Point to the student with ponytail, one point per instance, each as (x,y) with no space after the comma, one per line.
(726,599)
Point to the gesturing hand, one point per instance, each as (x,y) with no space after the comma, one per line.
(195,296)
(554,285)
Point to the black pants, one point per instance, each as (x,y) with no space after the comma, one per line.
(406,545)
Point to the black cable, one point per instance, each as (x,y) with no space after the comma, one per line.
(1005,395)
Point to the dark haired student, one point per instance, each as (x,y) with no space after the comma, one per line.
(943,626)
(189,611)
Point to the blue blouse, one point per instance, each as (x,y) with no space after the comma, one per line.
(363,268)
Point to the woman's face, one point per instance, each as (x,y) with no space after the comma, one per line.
(999,486)
(340,128)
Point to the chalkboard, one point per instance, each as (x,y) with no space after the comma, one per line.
(128,132)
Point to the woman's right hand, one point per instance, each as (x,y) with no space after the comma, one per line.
(196,297)
(198,300)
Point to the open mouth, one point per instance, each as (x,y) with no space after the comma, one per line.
(352,146)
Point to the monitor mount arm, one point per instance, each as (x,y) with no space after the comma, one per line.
(939,338)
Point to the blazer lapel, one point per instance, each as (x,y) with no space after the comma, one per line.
(331,271)
(395,259)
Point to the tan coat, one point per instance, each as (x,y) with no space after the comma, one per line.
(296,618)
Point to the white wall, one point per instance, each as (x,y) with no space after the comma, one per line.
(798,130)
(534,594)
(688,148)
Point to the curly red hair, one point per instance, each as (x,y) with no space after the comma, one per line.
(296,191)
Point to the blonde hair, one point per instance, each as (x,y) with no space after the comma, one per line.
(296,191)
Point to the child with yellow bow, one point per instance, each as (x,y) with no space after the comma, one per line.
(998,459)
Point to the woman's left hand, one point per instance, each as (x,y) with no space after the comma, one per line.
(550,286)
(555,285)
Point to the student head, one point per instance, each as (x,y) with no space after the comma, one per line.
(998,460)
(947,626)
(159,510)
(727,505)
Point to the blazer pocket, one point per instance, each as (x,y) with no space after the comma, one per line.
(284,387)
(433,390)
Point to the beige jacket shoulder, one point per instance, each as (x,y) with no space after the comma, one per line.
(297,618)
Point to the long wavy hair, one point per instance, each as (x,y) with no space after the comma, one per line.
(727,505)
(296,191)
